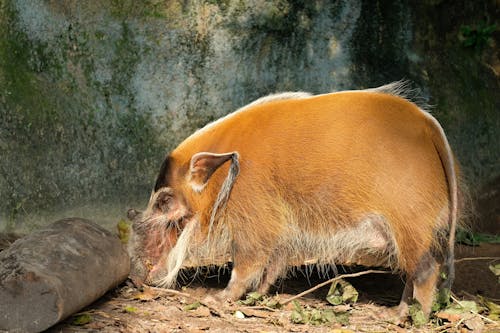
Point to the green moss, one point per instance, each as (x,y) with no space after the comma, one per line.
(27,114)
(222,4)
(58,149)
(123,9)
(27,107)
(127,55)
(14,48)
(280,18)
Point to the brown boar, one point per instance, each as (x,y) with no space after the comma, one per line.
(355,177)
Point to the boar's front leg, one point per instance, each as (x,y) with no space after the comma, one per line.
(275,269)
(242,279)
(249,271)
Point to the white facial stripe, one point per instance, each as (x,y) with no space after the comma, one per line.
(177,256)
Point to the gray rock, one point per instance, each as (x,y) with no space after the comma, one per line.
(53,273)
(7,238)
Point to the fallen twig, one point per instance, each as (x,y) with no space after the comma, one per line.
(171,291)
(443,328)
(258,307)
(338,277)
(476,258)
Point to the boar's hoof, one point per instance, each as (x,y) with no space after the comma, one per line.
(224,297)
(397,315)
(212,299)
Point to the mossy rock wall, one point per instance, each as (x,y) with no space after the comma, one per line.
(93,94)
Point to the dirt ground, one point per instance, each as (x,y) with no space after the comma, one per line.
(127,309)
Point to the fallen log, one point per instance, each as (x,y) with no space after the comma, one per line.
(53,273)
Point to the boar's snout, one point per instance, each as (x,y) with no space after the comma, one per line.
(138,265)
(138,281)
(132,214)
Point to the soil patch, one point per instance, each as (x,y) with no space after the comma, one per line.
(127,309)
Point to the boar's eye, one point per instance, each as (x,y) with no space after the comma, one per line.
(169,204)
(163,202)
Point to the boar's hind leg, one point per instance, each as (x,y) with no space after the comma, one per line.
(424,282)
(421,285)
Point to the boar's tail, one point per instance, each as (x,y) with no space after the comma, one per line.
(448,161)
(224,192)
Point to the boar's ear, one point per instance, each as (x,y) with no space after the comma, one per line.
(203,165)
(162,179)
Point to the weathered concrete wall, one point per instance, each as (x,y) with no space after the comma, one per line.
(94,93)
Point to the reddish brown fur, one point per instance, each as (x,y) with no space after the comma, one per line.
(314,172)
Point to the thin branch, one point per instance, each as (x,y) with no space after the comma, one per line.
(338,277)
(258,307)
(476,258)
(443,328)
(171,291)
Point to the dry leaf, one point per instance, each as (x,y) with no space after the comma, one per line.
(451,317)
(202,311)
(256,313)
(495,269)
(289,306)
(147,295)
(342,292)
(474,323)
(342,308)
(341,330)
